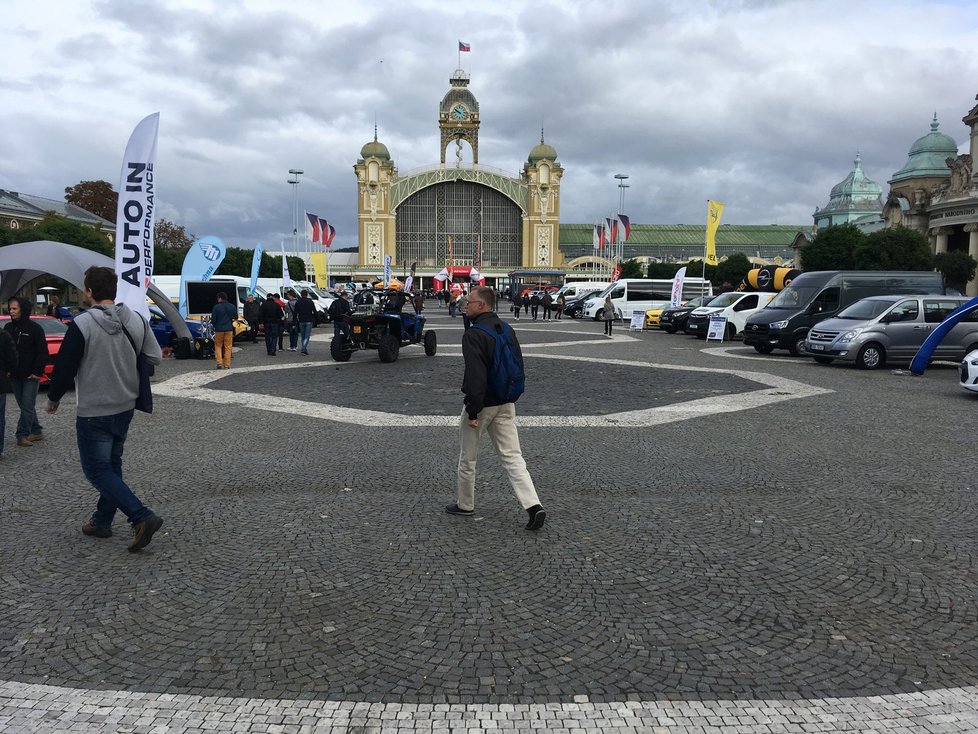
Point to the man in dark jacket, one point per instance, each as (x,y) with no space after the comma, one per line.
(222,317)
(485,412)
(32,356)
(8,364)
(339,312)
(305,315)
(272,316)
(534,305)
(251,316)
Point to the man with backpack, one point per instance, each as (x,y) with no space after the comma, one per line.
(493,381)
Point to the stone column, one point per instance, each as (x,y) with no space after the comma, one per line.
(941,245)
(972,230)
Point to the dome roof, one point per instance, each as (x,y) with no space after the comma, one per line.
(928,155)
(854,196)
(459,93)
(375,149)
(542,152)
(856,184)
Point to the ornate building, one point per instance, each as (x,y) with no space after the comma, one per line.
(18,210)
(458,213)
(855,197)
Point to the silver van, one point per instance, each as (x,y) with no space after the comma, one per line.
(882,329)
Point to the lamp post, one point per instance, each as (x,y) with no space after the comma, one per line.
(294,183)
(620,245)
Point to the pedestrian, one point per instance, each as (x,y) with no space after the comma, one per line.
(534,305)
(251,316)
(282,326)
(526,302)
(517,305)
(305,317)
(452,303)
(547,303)
(419,302)
(291,324)
(487,412)
(608,314)
(460,305)
(272,316)
(559,306)
(222,317)
(53,305)
(99,355)
(8,365)
(32,356)
(339,312)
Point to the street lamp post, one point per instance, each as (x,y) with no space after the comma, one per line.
(294,183)
(620,245)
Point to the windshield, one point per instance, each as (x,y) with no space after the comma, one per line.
(795,297)
(51,326)
(724,300)
(614,290)
(868,308)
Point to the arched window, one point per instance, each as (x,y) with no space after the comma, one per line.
(14,224)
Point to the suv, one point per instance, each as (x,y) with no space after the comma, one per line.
(882,329)
(383,326)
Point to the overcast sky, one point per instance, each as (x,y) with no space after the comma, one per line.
(761,104)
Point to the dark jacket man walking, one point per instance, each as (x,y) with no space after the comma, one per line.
(485,412)
(32,356)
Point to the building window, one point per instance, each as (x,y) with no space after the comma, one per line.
(14,224)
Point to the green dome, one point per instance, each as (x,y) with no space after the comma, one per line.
(542,152)
(928,155)
(375,149)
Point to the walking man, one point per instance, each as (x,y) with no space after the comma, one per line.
(305,315)
(485,412)
(271,315)
(8,363)
(251,316)
(547,303)
(32,356)
(99,355)
(291,325)
(222,317)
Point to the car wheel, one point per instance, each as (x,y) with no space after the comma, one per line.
(668,329)
(763,348)
(797,347)
(730,332)
(971,348)
(430,343)
(577,315)
(872,356)
(599,315)
(338,350)
(388,348)
(824,360)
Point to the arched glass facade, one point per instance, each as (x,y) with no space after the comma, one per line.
(486,227)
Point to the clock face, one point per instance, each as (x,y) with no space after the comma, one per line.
(459,112)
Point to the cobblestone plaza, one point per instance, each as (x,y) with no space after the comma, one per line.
(734,543)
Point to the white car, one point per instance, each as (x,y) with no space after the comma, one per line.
(969,371)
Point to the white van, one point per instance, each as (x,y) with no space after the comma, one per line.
(734,306)
(170,286)
(642,294)
(578,288)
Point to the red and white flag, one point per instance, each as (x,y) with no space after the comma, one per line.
(464,47)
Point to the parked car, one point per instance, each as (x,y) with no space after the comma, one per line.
(574,307)
(673,318)
(969,371)
(163,329)
(736,307)
(890,329)
(54,334)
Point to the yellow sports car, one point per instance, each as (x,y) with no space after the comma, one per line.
(652,318)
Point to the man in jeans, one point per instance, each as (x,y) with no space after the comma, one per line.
(222,317)
(305,315)
(485,412)
(32,356)
(98,356)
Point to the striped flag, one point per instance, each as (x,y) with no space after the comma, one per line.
(314,230)
(625,227)
(464,47)
(611,229)
(598,237)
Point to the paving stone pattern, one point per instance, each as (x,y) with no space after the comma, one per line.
(813,559)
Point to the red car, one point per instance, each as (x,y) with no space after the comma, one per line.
(54,332)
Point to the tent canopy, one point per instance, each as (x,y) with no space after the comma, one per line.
(22,263)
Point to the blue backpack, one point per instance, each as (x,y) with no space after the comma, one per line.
(507,380)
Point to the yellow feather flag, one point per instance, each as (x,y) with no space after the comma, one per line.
(714,213)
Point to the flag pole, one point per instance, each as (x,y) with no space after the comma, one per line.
(705,245)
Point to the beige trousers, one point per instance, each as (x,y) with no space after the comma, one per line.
(222,347)
(499,421)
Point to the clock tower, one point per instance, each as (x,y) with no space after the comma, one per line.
(458,118)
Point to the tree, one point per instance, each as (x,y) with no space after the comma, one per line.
(97,197)
(58,229)
(894,248)
(733,270)
(170,236)
(832,248)
(663,271)
(957,267)
(631,269)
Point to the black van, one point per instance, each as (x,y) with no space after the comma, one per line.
(814,296)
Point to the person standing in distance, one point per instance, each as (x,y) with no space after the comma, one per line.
(8,363)
(251,316)
(272,316)
(485,412)
(99,355)
(305,315)
(222,317)
(32,356)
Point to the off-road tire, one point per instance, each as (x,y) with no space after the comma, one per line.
(337,350)
(388,348)
(430,343)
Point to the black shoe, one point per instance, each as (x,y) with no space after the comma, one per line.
(456,510)
(142,532)
(90,528)
(537,517)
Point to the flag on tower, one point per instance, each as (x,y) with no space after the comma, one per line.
(464,47)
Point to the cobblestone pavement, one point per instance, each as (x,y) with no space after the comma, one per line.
(734,543)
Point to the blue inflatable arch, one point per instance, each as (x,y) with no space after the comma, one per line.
(922,358)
